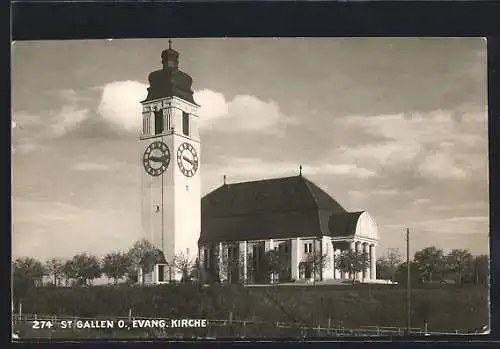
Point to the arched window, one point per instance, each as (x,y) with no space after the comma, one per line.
(302,271)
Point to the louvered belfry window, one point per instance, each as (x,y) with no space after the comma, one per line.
(158,122)
(185,123)
(168,119)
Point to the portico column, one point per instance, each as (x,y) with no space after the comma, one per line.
(373,263)
(352,247)
(294,258)
(245,263)
(366,270)
(220,261)
(358,250)
(334,262)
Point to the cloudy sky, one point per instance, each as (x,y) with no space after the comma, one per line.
(397,127)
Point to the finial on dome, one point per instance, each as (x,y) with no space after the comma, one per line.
(300,170)
(170,57)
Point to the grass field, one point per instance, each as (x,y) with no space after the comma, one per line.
(444,308)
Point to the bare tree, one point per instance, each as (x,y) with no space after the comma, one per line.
(184,265)
(390,262)
(353,262)
(54,267)
(228,262)
(274,264)
(318,263)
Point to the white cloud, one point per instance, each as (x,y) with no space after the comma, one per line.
(89,166)
(41,229)
(385,192)
(70,96)
(449,226)
(441,165)
(350,170)
(119,104)
(213,105)
(67,119)
(421,201)
(438,144)
(389,153)
(244,113)
(247,169)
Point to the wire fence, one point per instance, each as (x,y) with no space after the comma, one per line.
(227,328)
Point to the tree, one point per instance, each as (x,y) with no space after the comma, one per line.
(184,265)
(54,267)
(68,271)
(480,266)
(458,261)
(392,260)
(352,262)
(401,275)
(318,263)
(196,271)
(86,268)
(273,264)
(429,262)
(143,255)
(27,273)
(383,269)
(115,265)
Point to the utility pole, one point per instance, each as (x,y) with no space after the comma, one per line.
(408,285)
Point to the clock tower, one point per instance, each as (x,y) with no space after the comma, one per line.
(170,166)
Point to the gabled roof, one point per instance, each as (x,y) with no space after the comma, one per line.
(271,209)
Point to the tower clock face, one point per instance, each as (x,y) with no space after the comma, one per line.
(187,159)
(156,158)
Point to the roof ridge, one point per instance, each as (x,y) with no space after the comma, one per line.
(307,182)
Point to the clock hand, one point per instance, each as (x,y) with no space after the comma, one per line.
(188,160)
(157,158)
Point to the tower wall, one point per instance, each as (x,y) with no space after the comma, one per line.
(171,202)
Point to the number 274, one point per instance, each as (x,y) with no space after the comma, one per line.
(42,324)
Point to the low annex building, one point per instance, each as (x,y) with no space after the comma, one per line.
(240,222)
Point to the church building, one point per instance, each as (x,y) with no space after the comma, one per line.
(231,230)
(241,222)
